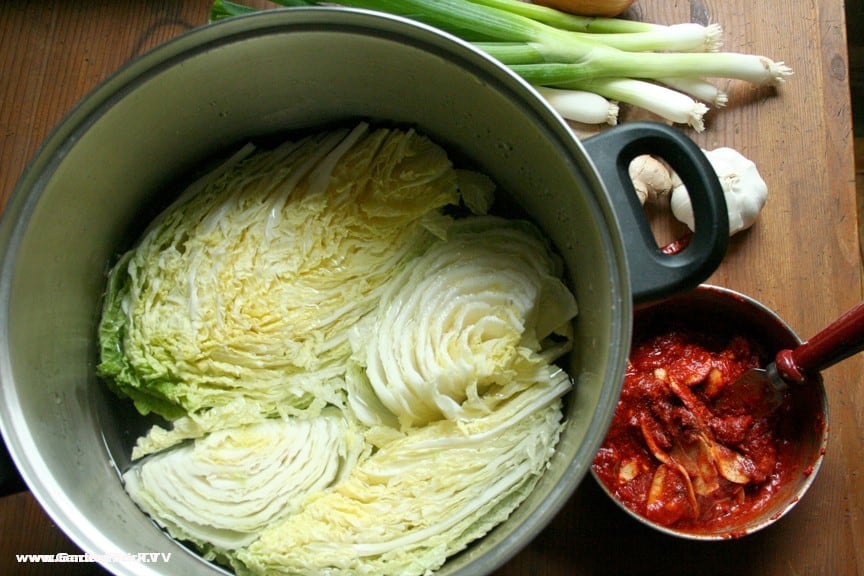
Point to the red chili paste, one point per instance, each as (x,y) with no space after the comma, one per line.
(674,457)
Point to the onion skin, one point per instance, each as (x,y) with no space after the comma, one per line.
(608,8)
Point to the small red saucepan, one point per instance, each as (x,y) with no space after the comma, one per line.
(703,458)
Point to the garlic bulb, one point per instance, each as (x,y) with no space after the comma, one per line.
(744,190)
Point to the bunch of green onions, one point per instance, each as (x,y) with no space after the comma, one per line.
(583,66)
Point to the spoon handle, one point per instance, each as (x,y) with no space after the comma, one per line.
(839,340)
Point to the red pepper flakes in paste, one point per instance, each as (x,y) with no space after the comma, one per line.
(673,457)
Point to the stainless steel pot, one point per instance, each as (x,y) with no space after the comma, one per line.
(95,182)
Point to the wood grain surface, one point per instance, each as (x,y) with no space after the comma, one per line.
(802,259)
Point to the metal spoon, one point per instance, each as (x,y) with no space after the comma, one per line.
(760,391)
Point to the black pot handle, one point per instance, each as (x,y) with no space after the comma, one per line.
(655,275)
(10,480)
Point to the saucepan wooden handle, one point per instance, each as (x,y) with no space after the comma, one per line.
(839,340)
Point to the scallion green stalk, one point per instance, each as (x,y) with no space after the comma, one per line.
(222,9)
(565,21)
(511,53)
(459,16)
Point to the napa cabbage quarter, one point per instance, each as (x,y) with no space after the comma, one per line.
(248,284)
(463,327)
(221,490)
(357,364)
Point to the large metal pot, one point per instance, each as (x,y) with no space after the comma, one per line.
(94,183)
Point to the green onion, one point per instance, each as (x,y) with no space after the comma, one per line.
(511,53)
(581,106)
(678,37)
(697,88)
(460,15)
(608,62)
(551,49)
(617,32)
(566,21)
(665,102)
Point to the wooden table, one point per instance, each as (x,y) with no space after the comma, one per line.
(802,259)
